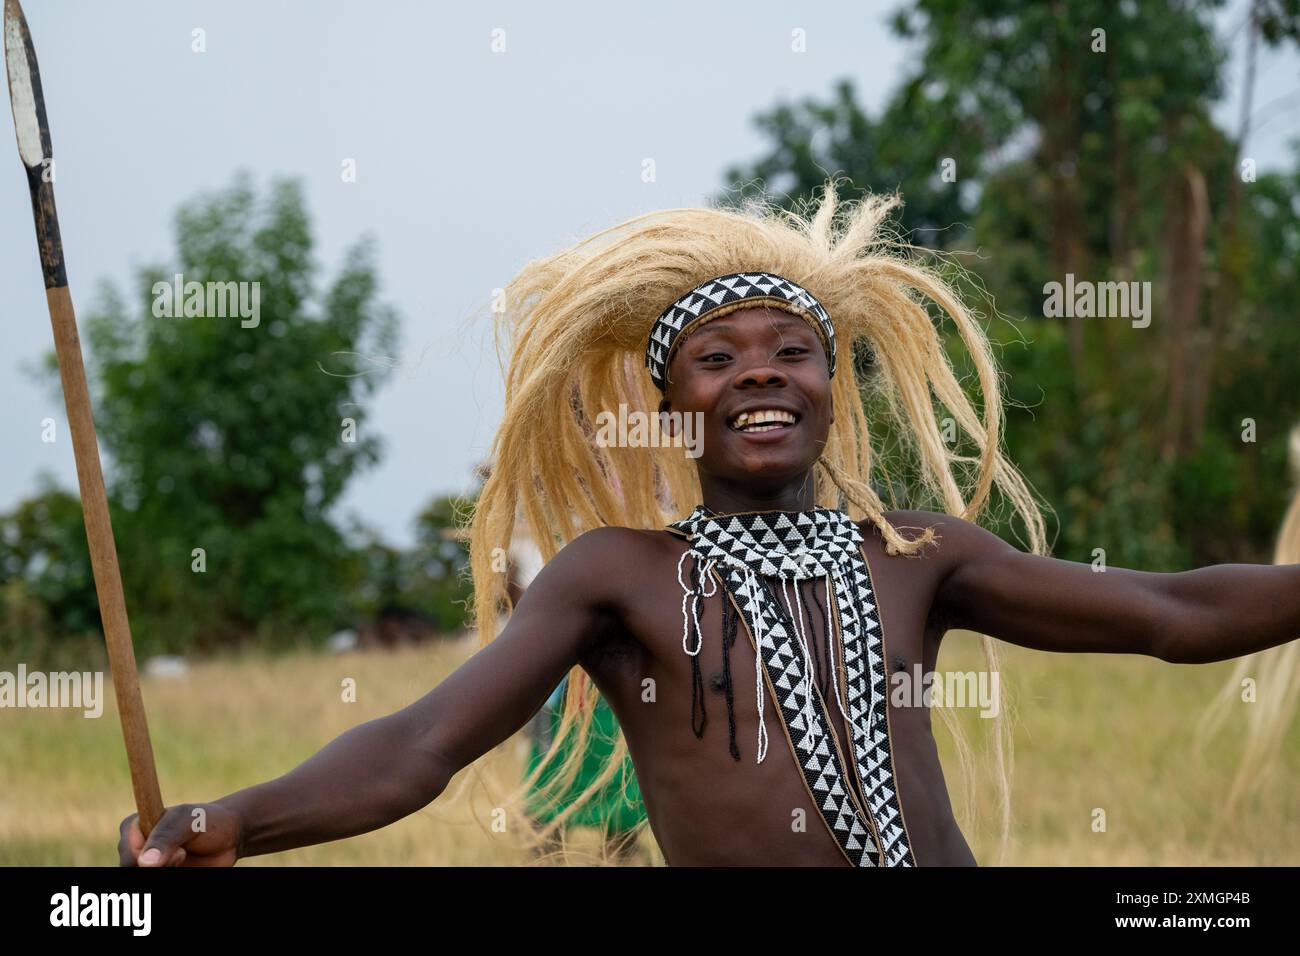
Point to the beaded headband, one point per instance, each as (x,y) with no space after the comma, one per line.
(716,297)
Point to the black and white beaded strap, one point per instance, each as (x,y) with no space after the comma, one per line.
(794,546)
(802,714)
(864,671)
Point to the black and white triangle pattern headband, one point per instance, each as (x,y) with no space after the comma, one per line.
(725,292)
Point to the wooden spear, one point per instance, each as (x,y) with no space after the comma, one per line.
(37,157)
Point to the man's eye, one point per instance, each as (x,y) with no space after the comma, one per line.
(719,355)
(795,348)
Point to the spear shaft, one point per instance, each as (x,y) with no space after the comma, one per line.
(37,156)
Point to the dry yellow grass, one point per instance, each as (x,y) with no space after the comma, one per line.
(1094,731)
(1116,733)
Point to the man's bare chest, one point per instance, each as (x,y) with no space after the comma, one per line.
(702,696)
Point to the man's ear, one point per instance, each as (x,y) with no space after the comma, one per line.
(667,424)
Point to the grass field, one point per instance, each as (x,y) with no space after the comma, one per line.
(1092,731)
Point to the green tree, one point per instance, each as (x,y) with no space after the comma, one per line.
(48,608)
(430,579)
(812,140)
(229,438)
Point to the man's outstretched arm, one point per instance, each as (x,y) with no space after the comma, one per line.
(1186,617)
(385,769)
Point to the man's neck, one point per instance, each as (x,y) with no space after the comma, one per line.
(727,498)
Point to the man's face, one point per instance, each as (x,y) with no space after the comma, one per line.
(754,363)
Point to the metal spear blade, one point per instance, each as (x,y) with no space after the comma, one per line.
(25,89)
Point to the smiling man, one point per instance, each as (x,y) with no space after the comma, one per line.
(741,611)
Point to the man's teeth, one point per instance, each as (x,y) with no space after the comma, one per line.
(762,420)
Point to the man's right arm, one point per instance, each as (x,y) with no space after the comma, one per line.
(385,769)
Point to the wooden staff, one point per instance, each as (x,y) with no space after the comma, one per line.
(37,156)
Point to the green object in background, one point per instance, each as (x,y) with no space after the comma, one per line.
(609,807)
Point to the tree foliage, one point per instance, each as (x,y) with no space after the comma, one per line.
(229,440)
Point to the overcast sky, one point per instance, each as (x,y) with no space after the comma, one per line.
(469,163)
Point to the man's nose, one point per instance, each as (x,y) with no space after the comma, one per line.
(759,375)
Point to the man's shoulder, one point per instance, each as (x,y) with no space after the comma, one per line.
(956,536)
(951,536)
(914,518)
(614,546)
(606,565)
(912,523)
(619,536)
